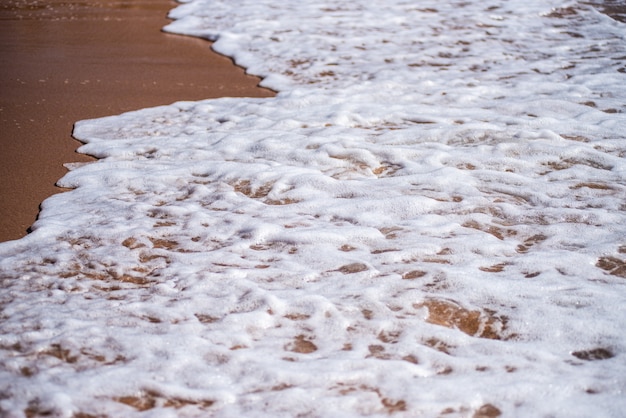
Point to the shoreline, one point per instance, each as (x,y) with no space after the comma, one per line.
(385,236)
(68,61)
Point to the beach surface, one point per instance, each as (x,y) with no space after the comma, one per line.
(65,61)
(426,220)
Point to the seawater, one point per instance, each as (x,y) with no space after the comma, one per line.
(427,220)
(613,8)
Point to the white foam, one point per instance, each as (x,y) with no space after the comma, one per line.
(428,219)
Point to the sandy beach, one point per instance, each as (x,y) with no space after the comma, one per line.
(427,220)
(65,61)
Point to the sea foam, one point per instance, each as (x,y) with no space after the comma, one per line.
(427,220)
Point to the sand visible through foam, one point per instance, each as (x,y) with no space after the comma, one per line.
(427,220)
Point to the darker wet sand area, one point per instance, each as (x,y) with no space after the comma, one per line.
(64,61)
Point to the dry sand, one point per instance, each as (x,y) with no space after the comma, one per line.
(68,60)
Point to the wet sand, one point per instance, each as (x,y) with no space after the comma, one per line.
(68,60)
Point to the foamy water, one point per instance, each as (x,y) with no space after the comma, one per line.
(428,220)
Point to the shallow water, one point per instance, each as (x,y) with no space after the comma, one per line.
(428,220)
(613,8)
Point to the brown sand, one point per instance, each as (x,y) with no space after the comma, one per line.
(68,60)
